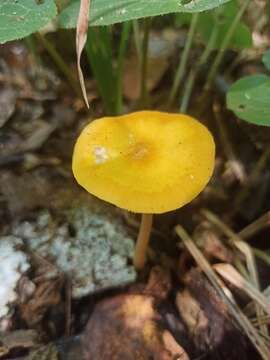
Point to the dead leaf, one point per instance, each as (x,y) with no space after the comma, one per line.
(208,239)
(191,312)
(67,348)
(7,104)
(229,273)
(177,352)
(48,352)
(126,327)
(159,283)
(81,37)
(131,78)
(47,295)
(209,320)
(19,339)
(161,47)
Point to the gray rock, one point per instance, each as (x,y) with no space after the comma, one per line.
(14,264)
(95,253)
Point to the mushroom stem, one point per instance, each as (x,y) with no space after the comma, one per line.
(142,241)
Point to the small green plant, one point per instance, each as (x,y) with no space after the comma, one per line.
(221,19)
(249,97)
(218,29)
(106,12)
(218,24)
(99,50)
(20,18)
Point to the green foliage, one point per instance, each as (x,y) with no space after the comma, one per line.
(123,46)
(249,99)
(107,71)
(266,59)
(99,52)
(19,18)
(221,18)
(107,12)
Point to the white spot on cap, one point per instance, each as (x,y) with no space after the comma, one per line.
(130,138)
(100,153)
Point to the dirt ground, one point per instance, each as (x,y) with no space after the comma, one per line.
(195,299)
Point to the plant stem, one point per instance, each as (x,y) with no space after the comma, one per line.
(227,145)
(193,73)
(144,63)
(137,39)
(256,226)
(253,177)
(142,241)
(224,46)
(60,63)
(31,45)
(120,61)
(182,65)
(263,255)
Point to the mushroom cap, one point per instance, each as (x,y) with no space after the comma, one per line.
(146,161)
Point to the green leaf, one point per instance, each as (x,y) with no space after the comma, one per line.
(221,17)
(183,19)
(99,51)
(266,59)
(107,12)
(19,18)
(249,99)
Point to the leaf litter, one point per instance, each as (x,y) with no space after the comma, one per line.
(180,316)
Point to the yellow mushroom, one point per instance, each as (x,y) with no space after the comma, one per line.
(146,162)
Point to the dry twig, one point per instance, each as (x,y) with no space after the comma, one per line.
(81,37)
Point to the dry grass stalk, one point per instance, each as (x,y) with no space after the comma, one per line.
(81,37)
(246,250)
(244,323)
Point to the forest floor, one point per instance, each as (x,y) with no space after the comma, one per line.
(204,293)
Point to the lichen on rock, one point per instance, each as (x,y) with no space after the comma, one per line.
(14,264)
(91,245)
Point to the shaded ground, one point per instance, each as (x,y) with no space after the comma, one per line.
(172,310)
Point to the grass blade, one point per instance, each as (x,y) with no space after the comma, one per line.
(99,53)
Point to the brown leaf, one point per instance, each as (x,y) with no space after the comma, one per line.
(209,240)
(18,339)
(48,352)
(47,295)
(126,327)
(174,349)
(159,283)
(7,104)
(131,78)
(81,37)
(208,319)
(191,312)
(161,47)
